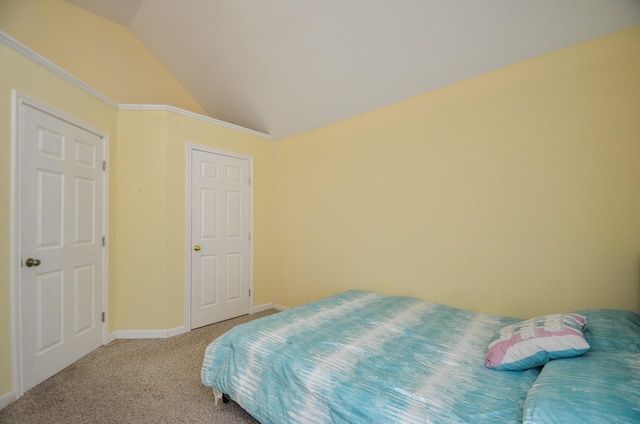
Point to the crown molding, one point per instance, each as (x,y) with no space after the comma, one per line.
(173,109)
(27,52)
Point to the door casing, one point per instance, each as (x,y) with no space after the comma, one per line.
(190,147)
(19,101)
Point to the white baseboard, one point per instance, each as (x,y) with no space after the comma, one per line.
(147,334)
(262,308)
(163,334)
(177,330)
(280,307)
(7,398)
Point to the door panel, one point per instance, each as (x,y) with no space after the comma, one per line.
(84,209)
(234,215)
(209,266)
(50,209)
(61,226)
(220,228)
(209,214)
(234,275)
(49,289)
(84,294)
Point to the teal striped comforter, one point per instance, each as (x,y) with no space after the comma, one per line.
(362,357)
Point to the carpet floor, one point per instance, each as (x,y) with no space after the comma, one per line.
(133,381)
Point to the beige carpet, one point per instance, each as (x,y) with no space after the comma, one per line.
(133,381)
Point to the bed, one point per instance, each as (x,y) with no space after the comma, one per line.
(362,357)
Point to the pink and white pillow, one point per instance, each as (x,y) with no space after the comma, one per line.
(532,343)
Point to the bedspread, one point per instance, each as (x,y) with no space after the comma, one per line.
(365,357)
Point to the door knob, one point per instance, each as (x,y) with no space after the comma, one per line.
(196,247)
(32,262)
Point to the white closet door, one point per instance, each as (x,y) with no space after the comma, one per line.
(220,234)
(61,229)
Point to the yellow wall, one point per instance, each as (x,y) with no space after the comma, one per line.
(151,213)
(147,200)
(99,52)
(141,287)
(19,73)
(182,130)
(146,163)
(515,192)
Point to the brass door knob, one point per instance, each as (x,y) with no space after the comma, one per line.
(32,262)
(196,247)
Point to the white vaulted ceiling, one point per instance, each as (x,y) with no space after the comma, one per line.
(287,66)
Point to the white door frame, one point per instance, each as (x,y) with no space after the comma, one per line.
(187,290)
(20,100)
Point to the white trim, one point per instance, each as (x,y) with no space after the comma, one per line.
(14,219)
(187,247)
(176,331)
(148,334)
(107,241)
(280,307)
(167,108)
(25,51)
(20,100)
(164,334)
(190,147)
(262,308)
(7,398)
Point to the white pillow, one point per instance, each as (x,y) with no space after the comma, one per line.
(532,343)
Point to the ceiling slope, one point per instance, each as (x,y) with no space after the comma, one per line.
(284,67)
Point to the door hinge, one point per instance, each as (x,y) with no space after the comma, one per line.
(104,241)
(249,292)
(103,317)
(249,180)
(104,165)
(249,236)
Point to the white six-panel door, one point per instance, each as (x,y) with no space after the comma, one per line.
(61,225)
(220,232)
